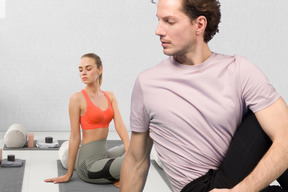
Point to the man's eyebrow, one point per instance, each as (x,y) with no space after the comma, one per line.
(167,17)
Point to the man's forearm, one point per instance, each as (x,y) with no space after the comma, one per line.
(270,167)
(133,177)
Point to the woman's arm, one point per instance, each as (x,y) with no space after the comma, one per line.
(118,122)
(75,137)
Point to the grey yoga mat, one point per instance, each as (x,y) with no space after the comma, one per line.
(76,184)
(11,179)
(161,173)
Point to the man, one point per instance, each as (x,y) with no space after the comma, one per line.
(191,104)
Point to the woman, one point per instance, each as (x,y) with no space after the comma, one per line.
(94,109)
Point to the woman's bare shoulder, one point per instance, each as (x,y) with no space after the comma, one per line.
(76,97)
(110,94)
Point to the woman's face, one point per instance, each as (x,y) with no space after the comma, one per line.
(88,71)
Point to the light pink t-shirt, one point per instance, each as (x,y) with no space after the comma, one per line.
(192,112)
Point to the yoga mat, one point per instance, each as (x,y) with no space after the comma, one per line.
(161,173)
(76,184)
(34,148)
(11,178)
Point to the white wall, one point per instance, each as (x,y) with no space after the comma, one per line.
(41,43)
(258,30)
(2,8)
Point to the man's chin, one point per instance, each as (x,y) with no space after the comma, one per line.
(167,52)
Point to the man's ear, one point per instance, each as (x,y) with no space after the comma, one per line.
(201,22)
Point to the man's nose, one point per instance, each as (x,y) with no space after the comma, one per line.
(160,30)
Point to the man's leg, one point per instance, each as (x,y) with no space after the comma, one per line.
(242,156)
(248,146)
(283,180)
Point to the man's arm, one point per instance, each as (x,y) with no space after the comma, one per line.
(274,121)
(136,164)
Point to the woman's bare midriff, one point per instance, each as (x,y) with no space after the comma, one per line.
(94,135)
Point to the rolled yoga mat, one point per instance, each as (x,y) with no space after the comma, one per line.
(34,148)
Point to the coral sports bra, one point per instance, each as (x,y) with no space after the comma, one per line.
(95,117)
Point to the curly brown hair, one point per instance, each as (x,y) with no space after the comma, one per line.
(210,9)
(207,8)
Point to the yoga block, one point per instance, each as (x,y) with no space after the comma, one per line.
(48,139)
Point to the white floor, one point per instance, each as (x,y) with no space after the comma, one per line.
(41,165)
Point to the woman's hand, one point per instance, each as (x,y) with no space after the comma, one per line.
(61,179)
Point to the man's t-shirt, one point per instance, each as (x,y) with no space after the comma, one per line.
(192,112)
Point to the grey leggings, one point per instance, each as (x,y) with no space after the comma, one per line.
(96,164)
